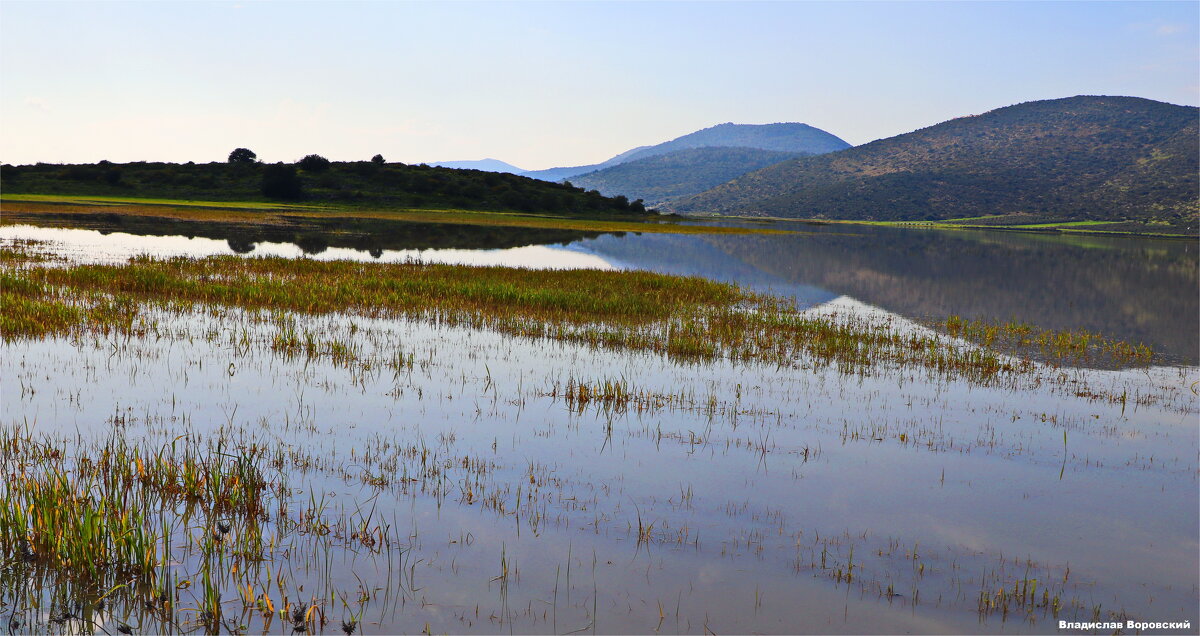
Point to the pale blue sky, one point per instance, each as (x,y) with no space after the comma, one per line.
(550,83)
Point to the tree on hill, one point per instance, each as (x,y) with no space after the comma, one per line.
(313,163)
(378,160)
(242,155)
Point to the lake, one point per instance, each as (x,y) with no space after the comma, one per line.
(442,478)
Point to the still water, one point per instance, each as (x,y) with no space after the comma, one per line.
(739,498)
(1133,289)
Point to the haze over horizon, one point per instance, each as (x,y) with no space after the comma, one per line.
(540,85)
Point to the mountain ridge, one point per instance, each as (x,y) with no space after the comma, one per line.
(487,165)
(1079,158)
(780,136)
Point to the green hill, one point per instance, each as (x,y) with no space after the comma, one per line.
(681,173)
(1073,159)
(362,183)
(782,137)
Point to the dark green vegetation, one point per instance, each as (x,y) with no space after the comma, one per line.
(316,180)
(784,137)
(1118,159)
(681,173)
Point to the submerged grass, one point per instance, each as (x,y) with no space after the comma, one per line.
(685,318)
(96,516)
(176,536)
(1078,344)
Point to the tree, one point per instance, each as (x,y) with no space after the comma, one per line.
(242,155)
(313,163)
(378,160)
(280,181)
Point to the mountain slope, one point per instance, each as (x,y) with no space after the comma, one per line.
(681,173)
(783,137)
(487,165)
(1078,158)
(558,174)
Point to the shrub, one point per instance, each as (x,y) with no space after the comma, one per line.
(280,181)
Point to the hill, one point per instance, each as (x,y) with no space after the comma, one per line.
(1077,158)
(681,173)
(782,137)
(487,165)
(360,183)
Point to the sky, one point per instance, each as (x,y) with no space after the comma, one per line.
(545,84)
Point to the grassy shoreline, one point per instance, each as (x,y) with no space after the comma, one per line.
(17,206)
(1065,228)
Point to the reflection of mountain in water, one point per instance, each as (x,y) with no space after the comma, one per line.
(1140,290)
(315,235)
(686,255)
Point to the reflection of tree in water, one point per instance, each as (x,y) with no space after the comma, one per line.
(314,236)
(312,243)
(241,245)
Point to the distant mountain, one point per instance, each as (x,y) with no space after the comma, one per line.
(681,173)
(1078,158)
(487,165)
(558,174)
(784,137)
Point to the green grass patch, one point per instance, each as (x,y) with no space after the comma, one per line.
(1066,224)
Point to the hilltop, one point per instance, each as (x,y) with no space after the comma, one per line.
(681,173)
(1084,158)
(781,137)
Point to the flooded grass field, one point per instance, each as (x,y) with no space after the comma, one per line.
(237,445)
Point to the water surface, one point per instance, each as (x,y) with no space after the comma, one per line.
(735,498)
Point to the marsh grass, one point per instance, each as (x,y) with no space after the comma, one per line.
(206,578)
(684,318)
(1074,344)
(87,513)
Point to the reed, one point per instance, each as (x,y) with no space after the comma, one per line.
(684,318)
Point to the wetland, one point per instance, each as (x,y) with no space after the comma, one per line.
(386,426)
